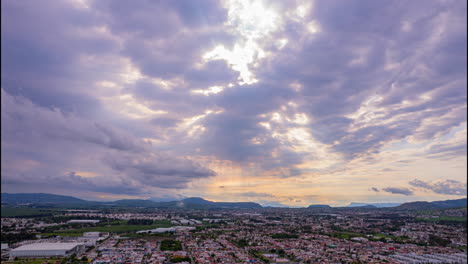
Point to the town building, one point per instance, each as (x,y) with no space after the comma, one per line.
(46,249)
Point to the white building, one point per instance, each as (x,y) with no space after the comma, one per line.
(92,234)
(46,249)
(83,221)
(168,229)
(158,230)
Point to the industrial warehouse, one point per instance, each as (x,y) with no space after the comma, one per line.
(47,249)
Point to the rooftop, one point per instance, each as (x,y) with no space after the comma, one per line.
(48,246)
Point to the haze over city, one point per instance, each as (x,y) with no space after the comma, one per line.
(283,103)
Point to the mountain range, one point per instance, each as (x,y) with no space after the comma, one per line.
(377,205)
(421,205)
(63,201)
(45,199)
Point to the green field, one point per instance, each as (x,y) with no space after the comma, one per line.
(122,228)
(346,235)
(444,218)
(61,234)
(23,211)
(32,261)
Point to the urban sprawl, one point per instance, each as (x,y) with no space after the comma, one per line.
(267,235)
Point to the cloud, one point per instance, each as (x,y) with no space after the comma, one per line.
(256,195)
(87,88)
(272,203)
(359,112)
(375,189)
(448,187)
(55,142)
(158,170)
(398,190)
(26,119)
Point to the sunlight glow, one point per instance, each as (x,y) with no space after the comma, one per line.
(251,21)
(210,90)
(129,106)
(313,27)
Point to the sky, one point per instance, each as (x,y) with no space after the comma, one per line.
(283,103)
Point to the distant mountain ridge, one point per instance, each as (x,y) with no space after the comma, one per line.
(420,205)
(199,203)
(378,205)
(52,199)
(23,198)
(319,206)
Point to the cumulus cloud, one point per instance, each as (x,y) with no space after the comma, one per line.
(398,190)
(450,187)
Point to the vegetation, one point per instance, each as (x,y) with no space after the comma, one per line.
(177,259)
(256,254)
(438,241)
(146,235)
(12,238)
(32,261)
(445,219)
(140,222)
(241,243)
(115,228)
(172,245)
(61,234)
(284,236)
(24,212)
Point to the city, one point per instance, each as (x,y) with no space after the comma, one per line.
(237,235)
(234,131)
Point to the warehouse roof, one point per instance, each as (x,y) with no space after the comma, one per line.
(48,246)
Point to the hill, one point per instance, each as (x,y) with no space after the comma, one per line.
(135,203)
(196,202)
(378,205)
(64,201)
(39,198)
(319,206)
(433,205)
(451,203)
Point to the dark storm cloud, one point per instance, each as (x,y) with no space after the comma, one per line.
(168,44)
(179,101)
(139,18)
(71,180)
(398,190)
(158,171)
(450,187)
(174,56)
(197,14)
(164,122)
(42,49)
(229,137)
(39,136)
(27,120)
(210,74)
